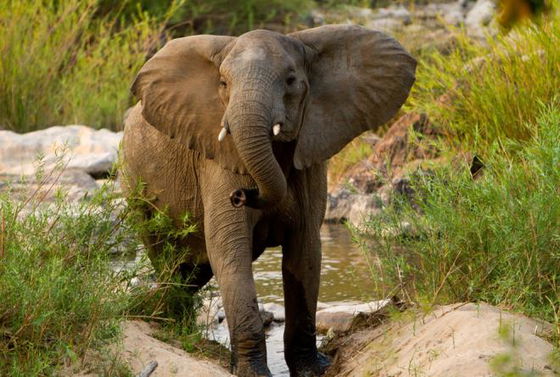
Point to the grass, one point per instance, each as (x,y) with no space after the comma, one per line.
(62,301)
(481,95)
(494,239)
(62,63)
(59,296)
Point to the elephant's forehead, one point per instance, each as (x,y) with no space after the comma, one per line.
(253,53)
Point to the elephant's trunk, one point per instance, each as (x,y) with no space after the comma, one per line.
(250,122)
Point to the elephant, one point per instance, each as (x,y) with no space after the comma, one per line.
(237,132)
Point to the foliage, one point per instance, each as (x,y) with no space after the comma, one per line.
(495,238)
(482,95)
(238,17)
(62,64)
(73,61)
(59,295)
(62,296)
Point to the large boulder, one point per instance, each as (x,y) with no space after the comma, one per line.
(75,183)
(369,185)
(79,147)
(345,205)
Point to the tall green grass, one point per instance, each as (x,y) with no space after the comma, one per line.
(61,63)
(486,94)
(495,238)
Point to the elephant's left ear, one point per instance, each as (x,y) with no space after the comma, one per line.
(359,78)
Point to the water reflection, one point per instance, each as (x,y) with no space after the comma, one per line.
(344,271)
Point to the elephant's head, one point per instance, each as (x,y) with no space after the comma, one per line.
(319,88)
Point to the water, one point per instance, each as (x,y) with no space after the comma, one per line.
(344,271)
(345,277)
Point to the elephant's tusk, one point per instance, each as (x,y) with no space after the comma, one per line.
(276,129)
(222,134)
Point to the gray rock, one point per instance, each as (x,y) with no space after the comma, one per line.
(338,318)
(77,147)
(387,25)
(316,18)
(77,184)
(478,19)
(277,311)
(343,205)
(454,17)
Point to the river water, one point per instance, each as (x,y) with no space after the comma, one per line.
(345,278)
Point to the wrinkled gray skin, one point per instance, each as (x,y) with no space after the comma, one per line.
(254,189)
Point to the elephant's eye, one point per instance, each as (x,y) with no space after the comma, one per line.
(223,83)
(290,80)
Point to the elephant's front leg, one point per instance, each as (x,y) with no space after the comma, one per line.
(228,242)
(301,267)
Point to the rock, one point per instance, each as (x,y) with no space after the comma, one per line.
(316,18)
(343,205)
(76,183)
(369,185)
(211,311)
(387,25)
(82,148)
(277,310)
(461,340)
(398,13)
(339,318)
(358,12)
(393,154)
(454,16)
(479,18)
(266,317)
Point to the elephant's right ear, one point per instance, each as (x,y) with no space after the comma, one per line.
(178,88)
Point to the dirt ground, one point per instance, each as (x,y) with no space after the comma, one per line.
(457,340)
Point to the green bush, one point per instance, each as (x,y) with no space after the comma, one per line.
(61,294)
(480,95)
(495,238)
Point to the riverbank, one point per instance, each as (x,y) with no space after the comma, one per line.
(452,340)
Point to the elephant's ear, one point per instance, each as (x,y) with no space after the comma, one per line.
(358,78)
(178,88)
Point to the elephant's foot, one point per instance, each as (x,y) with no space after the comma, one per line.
(251,369)
(311,366)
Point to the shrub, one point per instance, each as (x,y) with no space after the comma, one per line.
(493,239)
(62,297)
(59,294)
(482,95)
